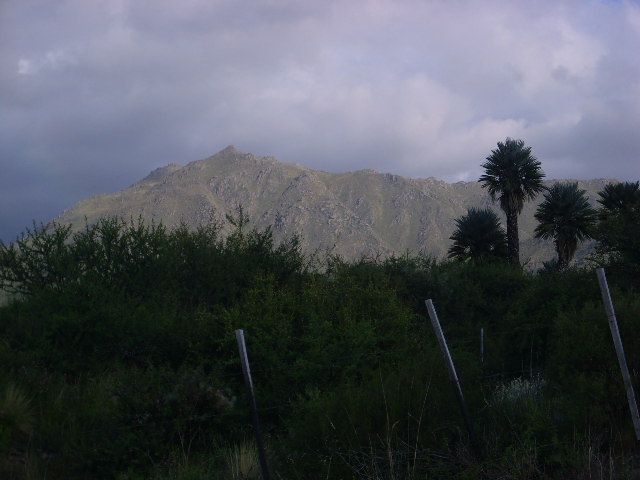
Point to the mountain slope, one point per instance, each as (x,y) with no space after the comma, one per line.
(351,214)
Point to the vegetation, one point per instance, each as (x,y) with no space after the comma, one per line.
(478,236)
(512,176)
(617,197)
(618,229)
(566,217)
(119,361)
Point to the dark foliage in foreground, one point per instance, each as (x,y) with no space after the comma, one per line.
(119,361)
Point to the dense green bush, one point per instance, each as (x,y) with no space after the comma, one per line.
(119,361)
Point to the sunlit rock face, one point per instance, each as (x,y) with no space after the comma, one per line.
(350,214)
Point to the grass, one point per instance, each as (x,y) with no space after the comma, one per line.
(241,461)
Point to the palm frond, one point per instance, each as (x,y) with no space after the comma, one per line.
(619,196)
(478,236)
(512,175)
(565,216)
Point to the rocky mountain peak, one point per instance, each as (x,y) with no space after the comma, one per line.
(229,150)
(351,214)
(161,172)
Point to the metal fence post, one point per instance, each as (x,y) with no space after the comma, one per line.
(453,376)
(248,382)
(617,342)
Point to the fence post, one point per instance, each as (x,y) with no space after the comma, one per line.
(248,382)
(617,341)
(453,376)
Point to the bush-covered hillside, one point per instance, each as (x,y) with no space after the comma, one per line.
(119,361)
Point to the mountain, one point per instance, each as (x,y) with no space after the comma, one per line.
(350,214)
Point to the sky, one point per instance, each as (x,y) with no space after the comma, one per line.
(94,94)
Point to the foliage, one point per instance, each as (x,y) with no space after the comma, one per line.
(242,461)
(478,236)
(566,217)
(618,230)
(119,361)
(619,196)
(16,418)
(512,176)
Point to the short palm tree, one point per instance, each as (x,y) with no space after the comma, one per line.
(565,216)
(615,197)
(512,176)
(478,236)
(618,229)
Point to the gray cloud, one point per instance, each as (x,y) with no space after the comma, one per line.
(93,95)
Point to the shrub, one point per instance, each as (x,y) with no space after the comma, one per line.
(119,360)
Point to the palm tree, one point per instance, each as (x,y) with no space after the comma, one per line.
(618,229)
(566,217)
(478,236)
(616,197)
(512,176)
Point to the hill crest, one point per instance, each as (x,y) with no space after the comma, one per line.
(362,212)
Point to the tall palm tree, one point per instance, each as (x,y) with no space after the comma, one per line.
(512,176)
(615,197)
(566,217)
(478,236)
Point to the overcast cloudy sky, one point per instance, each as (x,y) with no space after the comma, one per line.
(94,94)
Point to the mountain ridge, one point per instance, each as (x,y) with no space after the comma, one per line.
(361,212)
